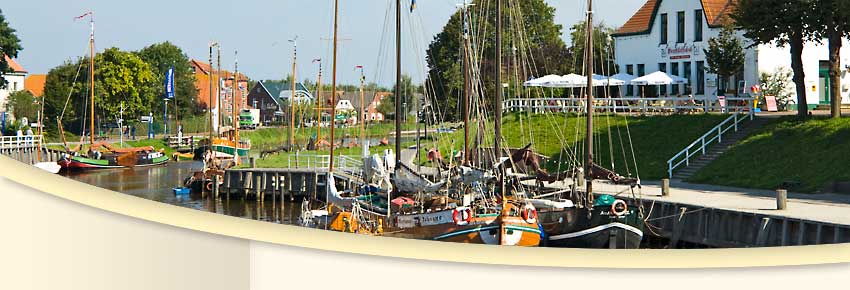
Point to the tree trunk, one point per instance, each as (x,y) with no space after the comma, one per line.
(835,40)
(796,43)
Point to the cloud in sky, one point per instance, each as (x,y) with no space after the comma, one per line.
(259,30)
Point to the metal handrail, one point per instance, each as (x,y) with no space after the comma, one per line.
(16,142)
(700,143)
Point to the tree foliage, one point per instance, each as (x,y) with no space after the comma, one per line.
(530,27)
(408,92)
(831,21)
(9,45)
(123,77)
(603,48)
(725,55)
(161,57)
(782,22)
(23,104)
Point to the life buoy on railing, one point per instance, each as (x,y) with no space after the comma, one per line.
(462,216)
(619,207)
(529,214)
(209,185)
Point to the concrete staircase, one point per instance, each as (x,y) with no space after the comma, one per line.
(716,150)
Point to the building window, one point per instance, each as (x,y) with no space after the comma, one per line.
(662,67)
(680,27)
(700,78)
(686,73)
(674,70)
(697,25)
(14,86)
(663,28)
(630,69)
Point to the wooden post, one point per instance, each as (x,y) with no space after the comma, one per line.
(227,179)
(289,185)
(215,185)
(678,226)
(781,199)
(264,186)
(761,238)
(252,162)
(665,187)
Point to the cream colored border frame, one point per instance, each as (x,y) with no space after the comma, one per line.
(412,249)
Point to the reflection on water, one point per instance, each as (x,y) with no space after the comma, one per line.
(156,183)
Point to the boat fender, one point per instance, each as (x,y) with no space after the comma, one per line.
(619,207)
(462,216)
(529,214)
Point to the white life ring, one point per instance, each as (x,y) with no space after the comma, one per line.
(462,216)
(622,210)
(529,214)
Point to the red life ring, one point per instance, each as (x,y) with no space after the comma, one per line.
(209,186)
(462,218)
(622,211)
(529,214)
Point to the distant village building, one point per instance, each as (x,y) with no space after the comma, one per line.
(15,81)
(202,72)
(670,36)
(372,113)
(271,98)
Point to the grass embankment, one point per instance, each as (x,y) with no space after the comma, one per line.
(654,138)
(813,153)
(268,138)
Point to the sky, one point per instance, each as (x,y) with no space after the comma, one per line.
(259,31)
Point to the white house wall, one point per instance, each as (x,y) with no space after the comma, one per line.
(16,83)
(772,57)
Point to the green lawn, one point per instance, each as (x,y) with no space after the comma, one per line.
(655,138)
(813,153)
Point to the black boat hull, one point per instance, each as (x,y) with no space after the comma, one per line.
(613,235)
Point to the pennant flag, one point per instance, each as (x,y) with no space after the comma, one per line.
(412,5)
(317,60)
(169,83)
(83,16)
(359,66)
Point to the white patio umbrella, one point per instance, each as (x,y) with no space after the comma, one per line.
(542,81)
(600,80)
(626,78)
(657,78)
(570,81)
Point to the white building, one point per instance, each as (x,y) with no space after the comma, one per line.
(670,36)
(15,81)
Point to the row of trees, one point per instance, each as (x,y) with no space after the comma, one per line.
(793,23)
(134,80)
(10,45)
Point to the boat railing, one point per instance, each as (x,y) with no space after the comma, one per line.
(714,135)
(19,142)
(641,105)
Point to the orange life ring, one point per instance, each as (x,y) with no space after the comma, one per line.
(464,219)
(529,214)
(621,212)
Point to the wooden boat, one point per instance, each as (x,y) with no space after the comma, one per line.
(188,156)
(229,146)
(612,225)
(505,228)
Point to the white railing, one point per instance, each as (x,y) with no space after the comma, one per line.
(631,104)
(185,141)
(16,142)
(342,162)
(698,146)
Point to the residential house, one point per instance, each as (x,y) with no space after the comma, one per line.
(35,84)
(15,81)
(202,72)
(272,99)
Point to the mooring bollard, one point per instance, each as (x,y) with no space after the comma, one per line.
(781,199)
(252,162)
(665,187)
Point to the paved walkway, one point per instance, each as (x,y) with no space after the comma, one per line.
(831,208)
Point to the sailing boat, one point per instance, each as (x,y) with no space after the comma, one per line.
(110,157)
(227,145)
(612,222)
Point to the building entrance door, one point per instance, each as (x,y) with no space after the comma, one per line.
(823,83)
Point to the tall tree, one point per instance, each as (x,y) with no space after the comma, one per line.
(530,27)
(603,48)
(23,104)
(161,57)
(62,92)
(785,23)
(832,22)
(123,77)
(725,56)
(9,45)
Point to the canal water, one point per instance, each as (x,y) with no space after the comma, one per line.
(156,183)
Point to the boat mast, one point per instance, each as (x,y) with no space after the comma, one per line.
(91,77)
(210,104)
(588,63)
(319,105)
(397,97)
(497,150)
(465,84)
(333,85)
(362,108)
(234,115)
(219,102)
(292,98)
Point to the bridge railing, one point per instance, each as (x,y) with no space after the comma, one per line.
(17,142)
(655,105)
(714,135)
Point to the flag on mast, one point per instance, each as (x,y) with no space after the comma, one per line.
(83,16)
(169,83)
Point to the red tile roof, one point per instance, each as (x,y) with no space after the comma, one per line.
(641,22)
(35,84)
(14,65)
